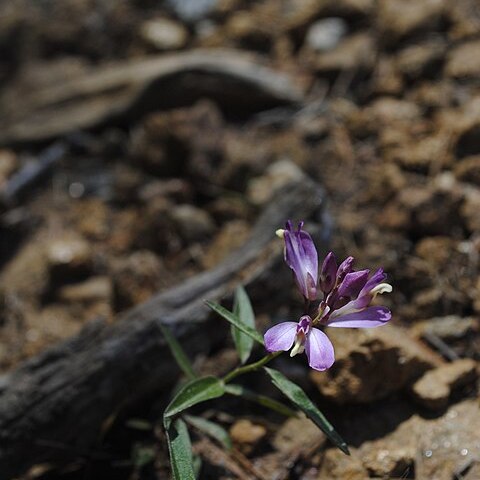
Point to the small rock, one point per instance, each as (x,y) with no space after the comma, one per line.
(449,328)
(355,52)
(297,434)
(164,34)
(435,94)
(337,465)
(421,154)
(325,34)
(247,434)
(69,256)
(400,18)
(261,189)
(94,289)
(382,112)
(463,61)
(421,59)
(434,388)
(193,224)
(371,364)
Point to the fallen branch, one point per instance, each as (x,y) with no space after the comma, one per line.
(237,81)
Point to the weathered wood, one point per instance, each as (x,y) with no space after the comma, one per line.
(64,395)
(237,81)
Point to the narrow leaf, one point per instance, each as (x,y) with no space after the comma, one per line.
(178,353)
(180,450)
(299,398)
(212,429)
(242,308)
(235,321)
(196,391)
(272,404)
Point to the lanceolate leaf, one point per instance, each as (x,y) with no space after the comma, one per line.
(242,308)
(196,391)
(212,429)
(299,398)
(180,450)
(235,321)
(178,353)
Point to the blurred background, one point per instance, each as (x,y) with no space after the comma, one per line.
(139,143)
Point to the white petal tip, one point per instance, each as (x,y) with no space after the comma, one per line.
(382,288)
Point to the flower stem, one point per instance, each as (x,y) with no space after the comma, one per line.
(250,367)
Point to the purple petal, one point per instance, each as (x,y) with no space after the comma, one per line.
(368,318)
(280,337)
(353,283)
(301,256)
(378,277)
(328,273)
(319,350)
(345,267)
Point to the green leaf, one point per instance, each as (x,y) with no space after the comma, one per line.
(299,398)
(196,391)
(242,308)
(180,450)
(178,353)
(212,429)
(272,404)
(235,321)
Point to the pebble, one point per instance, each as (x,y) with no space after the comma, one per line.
(164,34)
(433,389)
(325,34)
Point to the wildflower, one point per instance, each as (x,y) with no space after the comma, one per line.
(347,298)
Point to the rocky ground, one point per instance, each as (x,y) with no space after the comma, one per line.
(377,101)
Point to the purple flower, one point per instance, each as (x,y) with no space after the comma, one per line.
(301,256)
(347,298)
(303,337)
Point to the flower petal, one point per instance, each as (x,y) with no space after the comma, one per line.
(368,318)
(353,283)
(319,350)
(280,337)
(301,256)
(378,277)
(345,267)
(328,273)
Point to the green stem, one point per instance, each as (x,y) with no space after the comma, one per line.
(250,368)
